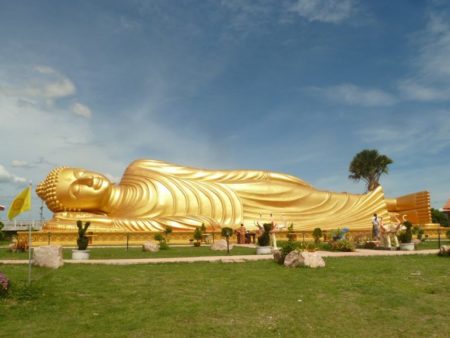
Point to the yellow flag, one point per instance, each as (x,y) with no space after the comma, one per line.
(21,203)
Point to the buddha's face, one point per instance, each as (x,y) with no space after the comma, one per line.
(74,189)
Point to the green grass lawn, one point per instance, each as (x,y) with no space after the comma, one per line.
(190,251)
(135,252)
(431,244)
(352,297)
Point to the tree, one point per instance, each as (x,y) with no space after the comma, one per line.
(439,217)
(368,165)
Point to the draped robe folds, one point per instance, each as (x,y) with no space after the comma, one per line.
(154,194)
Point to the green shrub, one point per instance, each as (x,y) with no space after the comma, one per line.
(370,245)
(292,236)
(2,234)
(167,232)
(198,236)
(158,237)
(287,247)
(342,245)
(310,247)
(420,233)
(162,239)
(163,245)
(405,236)
(338,234)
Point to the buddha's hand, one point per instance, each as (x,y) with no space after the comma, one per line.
(82,216)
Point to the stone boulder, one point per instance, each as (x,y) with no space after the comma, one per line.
(150,246)
(220,245)
(277,256)
(310,259)
(49,256)
(444,250)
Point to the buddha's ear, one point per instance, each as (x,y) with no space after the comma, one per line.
(87,181)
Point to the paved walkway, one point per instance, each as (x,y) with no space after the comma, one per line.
(231,259)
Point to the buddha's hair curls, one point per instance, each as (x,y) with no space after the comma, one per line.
(46,190)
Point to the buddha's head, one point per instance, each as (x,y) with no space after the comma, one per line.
(74,189)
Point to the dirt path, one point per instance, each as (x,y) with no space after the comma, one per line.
(231,259)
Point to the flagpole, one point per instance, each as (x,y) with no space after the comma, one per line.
(29,239)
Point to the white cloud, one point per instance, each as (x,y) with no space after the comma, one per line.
(67,140)
(21,164)
(7,177)
(248,15)
(81,110)
(430,78)
(414,135)
(415,90)
(46,70)
(330,11)
(430,72)
(127,24)
(353,95)
(44,83)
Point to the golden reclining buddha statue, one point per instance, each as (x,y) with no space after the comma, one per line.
(153,195)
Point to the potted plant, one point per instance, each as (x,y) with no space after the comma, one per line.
(405,237)
(82,242)
(197,236)
(292,236)
(264,247)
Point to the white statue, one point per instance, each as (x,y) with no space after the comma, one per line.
(390,229)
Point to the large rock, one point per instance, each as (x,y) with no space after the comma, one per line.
(299,258)
(150,246)
(444,250)
(49,256)
(220,245)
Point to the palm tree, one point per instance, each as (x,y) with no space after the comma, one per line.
(369,165)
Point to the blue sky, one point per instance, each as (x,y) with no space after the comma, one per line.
(296,86)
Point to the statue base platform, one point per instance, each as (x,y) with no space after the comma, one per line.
(69,238)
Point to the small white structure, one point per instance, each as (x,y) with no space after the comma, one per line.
(80,255)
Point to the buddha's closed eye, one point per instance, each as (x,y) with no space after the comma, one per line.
(88,181)
(74,190)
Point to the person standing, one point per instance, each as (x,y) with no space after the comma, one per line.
(241,232)
(375,228)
